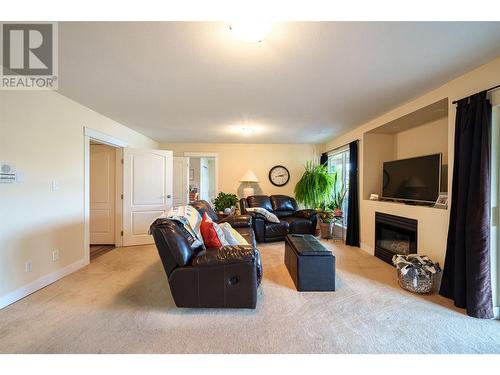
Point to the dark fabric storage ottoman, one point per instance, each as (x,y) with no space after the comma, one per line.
(310,264)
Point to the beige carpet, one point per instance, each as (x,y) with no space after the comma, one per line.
(121,303)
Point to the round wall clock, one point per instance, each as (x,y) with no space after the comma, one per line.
(279,175)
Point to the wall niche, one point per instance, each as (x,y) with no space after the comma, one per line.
(419,133)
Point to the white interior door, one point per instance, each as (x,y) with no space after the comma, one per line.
(147,192)
(204,179)
(102,195)
(181,181)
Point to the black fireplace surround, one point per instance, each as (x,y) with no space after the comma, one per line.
(394,235)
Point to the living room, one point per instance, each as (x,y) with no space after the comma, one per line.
(261,188)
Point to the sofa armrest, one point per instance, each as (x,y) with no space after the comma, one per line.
(256,216)
(225,255)
(306,214)
(238,221)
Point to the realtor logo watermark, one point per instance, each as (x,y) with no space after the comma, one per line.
(28,56)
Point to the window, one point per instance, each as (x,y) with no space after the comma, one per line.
(338,162)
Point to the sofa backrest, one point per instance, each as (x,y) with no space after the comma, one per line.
(172,243)
(283,205)
(202,207)
(260,201)
(280,205)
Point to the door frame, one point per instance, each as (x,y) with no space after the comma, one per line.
(118,144)
(186,197)
(214,155)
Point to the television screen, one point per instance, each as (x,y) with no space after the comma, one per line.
(415,179)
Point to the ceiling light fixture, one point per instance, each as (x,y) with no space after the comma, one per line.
(247,131)
(251,31)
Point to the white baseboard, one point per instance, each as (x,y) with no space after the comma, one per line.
(40,283)
(366,248)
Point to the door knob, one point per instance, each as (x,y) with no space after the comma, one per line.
(168,196)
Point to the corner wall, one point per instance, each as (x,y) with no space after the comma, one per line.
(433,223)
(42,133)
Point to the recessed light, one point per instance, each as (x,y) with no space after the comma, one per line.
(250,31)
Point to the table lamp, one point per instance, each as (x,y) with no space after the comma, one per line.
(249,177)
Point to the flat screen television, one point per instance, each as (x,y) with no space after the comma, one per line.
(414,180)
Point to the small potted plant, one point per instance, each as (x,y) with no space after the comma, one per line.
(225,203)
(326,222)
(339,193)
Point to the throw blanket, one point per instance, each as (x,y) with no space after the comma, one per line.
(190,219)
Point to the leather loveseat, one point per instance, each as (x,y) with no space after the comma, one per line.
(292,220)
(225,277)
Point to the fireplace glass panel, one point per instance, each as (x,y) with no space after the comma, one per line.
(394,241)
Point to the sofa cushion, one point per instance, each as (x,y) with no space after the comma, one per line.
(248,234)
(209,232)
(190,219)
(231,235)
(260,201)
(269,216)
(283,203)
(203,206)
(224,255)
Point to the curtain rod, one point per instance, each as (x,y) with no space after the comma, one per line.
(490,89)
(336,148)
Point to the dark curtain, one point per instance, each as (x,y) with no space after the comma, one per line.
(352,234)
(324,158)
(466,275)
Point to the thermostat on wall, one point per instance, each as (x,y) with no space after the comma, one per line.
(7,173)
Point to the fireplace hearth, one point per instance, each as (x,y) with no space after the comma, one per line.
(394,235)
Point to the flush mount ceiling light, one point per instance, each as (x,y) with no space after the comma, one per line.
(247,131)
(250,31)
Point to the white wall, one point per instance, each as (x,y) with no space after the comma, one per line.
(433,223)
(42,133)
(235,159)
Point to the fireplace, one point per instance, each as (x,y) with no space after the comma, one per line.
(394,235)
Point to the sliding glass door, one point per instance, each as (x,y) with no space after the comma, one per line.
(338,162)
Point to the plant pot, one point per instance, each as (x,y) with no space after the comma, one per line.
(326,230)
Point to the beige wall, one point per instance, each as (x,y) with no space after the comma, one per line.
(42,134)
(433,223)
(236,159)
(426,139)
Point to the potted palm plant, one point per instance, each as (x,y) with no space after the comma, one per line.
(315,190)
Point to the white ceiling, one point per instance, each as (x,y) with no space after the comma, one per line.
(305,83)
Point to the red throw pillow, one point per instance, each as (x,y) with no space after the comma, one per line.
(208,232)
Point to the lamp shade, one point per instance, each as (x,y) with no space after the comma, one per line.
(249,176)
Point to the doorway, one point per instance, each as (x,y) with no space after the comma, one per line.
(203,176)
(104,187)
(97,165)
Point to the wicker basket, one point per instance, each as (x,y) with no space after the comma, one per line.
(417,274)
(422,283)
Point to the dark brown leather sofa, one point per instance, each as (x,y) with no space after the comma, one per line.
(292,220)
(226,277)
